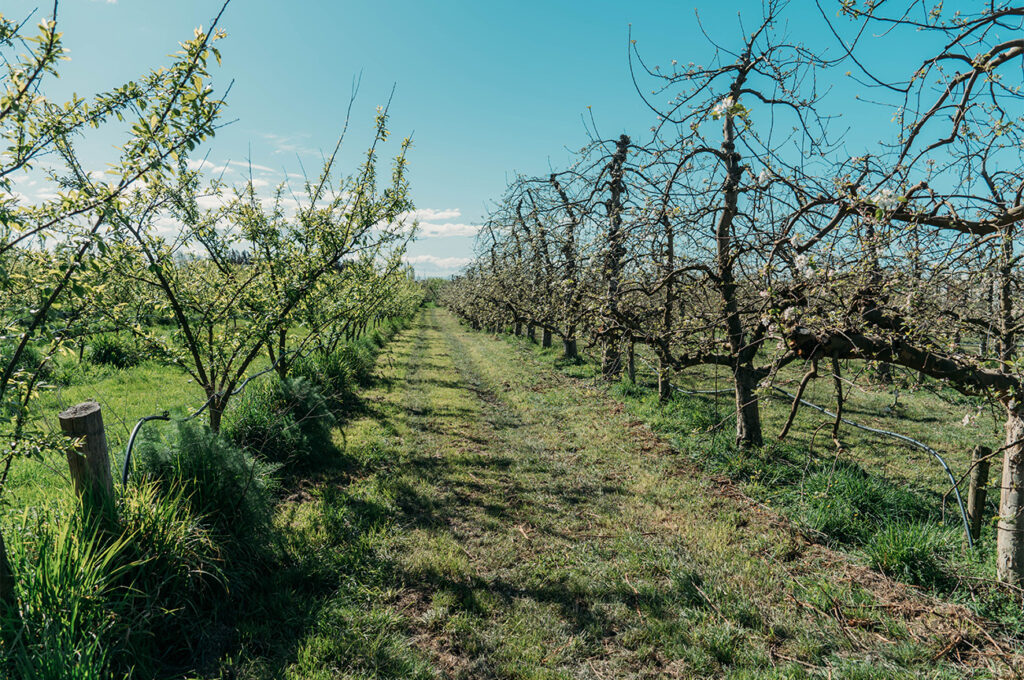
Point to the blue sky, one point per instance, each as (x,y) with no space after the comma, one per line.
(486,89)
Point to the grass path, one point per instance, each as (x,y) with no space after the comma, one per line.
(495,518)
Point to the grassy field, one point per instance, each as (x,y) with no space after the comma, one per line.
(493,513)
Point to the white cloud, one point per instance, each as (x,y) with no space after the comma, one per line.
(290,144)
(206,166)
(431,214)
(427,230)
(211,201)
(444,263)
(246,165)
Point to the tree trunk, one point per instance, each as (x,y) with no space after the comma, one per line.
(664,383)
(748,415)
(631,362)
(978,490)
(611,360)
(518,330)
(282,350)
(216,410)
(1010,540)
(569,347)
(545,338)
(531,332)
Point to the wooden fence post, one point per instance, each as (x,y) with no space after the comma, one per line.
(976,493)
(90,464)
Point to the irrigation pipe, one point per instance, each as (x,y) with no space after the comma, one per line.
(903,438)
(873,430)
(126,466)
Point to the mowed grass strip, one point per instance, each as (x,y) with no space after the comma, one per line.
(495,518)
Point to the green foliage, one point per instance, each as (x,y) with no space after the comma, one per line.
(111,349)
(849,505)
(30,362)
(96,606)
(222,482)
(284,421)
(834,498)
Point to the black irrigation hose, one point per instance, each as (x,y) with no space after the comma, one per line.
(126,466)
(908,440)
(873,430)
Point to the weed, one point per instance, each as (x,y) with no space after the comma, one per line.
(283,421)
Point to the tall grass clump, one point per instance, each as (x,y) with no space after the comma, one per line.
(70,609)
(285,421)
(912,551)
(360,357)
(331,372)
(176,582)
(96,602)
(227,485)
(114,350)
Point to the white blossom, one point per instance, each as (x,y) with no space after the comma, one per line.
(886,199)
(723,106)
(803,265)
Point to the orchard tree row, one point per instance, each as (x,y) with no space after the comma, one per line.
(756,228)
(210,277)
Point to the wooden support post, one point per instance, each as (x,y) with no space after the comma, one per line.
(977,491)
(90,464)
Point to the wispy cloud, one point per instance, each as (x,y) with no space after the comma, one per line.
(290,144)
(246,165)
(428,219)
(432,214)
(448,264)
(206,166)
(427,230)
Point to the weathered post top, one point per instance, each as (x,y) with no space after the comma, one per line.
(81,419)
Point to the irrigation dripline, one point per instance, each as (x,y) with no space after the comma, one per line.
(873,430)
